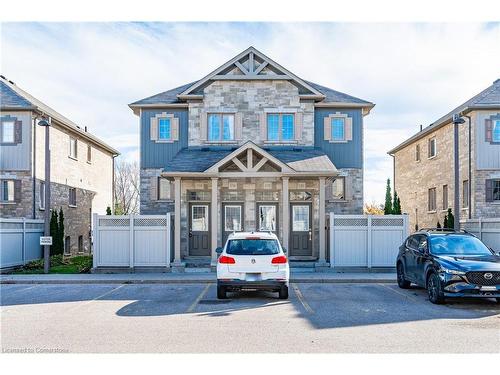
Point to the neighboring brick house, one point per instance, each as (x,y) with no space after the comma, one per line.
(81,166)
(251,147)
(423,164)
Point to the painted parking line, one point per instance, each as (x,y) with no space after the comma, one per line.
(406,295)
(301,298)
(98,297)
(198,299)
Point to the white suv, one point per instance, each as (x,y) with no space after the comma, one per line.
(252,260)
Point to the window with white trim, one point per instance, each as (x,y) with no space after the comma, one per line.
(163,189)
(338,128)
(496,131)
(338,188)
(220,127)
(164,129)
(8,132)
(7,190)
(280,127)
(89,154)
(73,144)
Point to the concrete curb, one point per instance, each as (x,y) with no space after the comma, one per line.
(299,280)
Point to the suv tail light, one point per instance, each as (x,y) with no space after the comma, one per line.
(226,260)
(279,260)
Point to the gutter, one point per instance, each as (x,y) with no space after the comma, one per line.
(470,167)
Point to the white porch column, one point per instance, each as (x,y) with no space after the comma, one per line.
(213,219)
(285,218)
(322,222)
(177,222)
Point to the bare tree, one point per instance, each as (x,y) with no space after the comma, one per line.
(373,209)
(126,188)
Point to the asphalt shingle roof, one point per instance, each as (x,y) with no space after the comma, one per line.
(166,97)
(199,159)
(10,99)
(336,96)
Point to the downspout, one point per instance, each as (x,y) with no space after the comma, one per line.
(34,168)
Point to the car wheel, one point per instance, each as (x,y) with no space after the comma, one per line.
(283,293)
(402,282)
(434,289)
(221,292)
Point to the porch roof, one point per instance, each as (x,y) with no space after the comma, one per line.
(199,159)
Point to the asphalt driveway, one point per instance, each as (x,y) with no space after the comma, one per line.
(375,318)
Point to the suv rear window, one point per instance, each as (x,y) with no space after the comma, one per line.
(252,247)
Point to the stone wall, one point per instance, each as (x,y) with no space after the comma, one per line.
(353,204)
(482,208)
(251,98)
(23,207)
(150,205)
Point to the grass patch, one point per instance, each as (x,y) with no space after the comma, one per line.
(59,264)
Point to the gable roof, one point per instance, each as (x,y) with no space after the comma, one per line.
(200,159)
(489,98)
(178,95)
(12,97)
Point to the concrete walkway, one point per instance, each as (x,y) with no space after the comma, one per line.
(188,278)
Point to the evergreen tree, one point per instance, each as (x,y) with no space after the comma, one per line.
(445,224)
(54,233)
(451,219)
(438,226)
(396,206)
(108,210)
(60,231)
(388,199)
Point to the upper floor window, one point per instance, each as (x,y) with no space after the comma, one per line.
(72,197)
(73,147)
(221,127)
(164,129)
(338,128)
(7,132)
(280,127)
(89,153)
(417,153)
(7,191)
(432,148)
(338,188)
(496,131)
(432,199)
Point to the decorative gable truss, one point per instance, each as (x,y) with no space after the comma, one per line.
(251,64)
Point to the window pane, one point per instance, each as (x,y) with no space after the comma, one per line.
(338,188)
(232,216)
(164,128)
(288,127)
(252,247)
(338,129)
(8,190)
(496,190)
(199,218)
(228,132)
(267,218)
(300,218)
(8,132)
(164,189)
(273,127)
(213,127)
(72,147)
(496,131)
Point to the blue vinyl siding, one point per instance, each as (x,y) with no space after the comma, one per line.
(156,155)
(343,155)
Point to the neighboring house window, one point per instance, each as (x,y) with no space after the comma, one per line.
(72,147)
(42,195)
(496,131)
(338,129)
(220,127)
(163,188)
(89,153)
(338,188)
(496,190)
(445,197)
(432,148)
(72,197)
(432,199)
(8,191)
(8,132)
(280,127)
(492,190)
(164,129)
(465,194)
(80,244)
(417,153)
(67,245)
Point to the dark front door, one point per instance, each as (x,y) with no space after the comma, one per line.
(232,219)
(199,229)
(300,230)
(267,217)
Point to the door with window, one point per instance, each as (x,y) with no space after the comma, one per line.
(199,229)
(300,230)
(267,217)
(232,219)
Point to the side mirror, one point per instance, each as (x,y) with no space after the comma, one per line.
(219,250)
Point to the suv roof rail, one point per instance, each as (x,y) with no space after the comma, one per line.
(442,230)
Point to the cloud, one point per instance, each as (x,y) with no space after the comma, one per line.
(414,73)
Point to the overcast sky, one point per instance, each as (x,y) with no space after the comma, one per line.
(414,73)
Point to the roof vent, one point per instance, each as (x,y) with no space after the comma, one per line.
(12,82)
(85,129)
(3,77)
(421,127)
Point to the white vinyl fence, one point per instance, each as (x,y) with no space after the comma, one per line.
(132,241)
(487,230)
(366,240)
(20,241)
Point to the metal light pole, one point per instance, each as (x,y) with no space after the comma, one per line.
(457,120)
(46,248)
